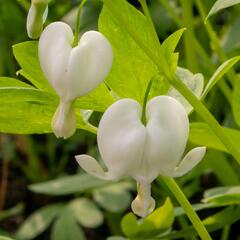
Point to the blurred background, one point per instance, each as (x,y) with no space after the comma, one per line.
(38,173)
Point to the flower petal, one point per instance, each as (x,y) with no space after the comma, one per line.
(167,133)
(89,63)
(54,50)
(121,137)
(190,161)
(91,166)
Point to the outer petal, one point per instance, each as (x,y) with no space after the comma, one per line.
(37,15)
(54,52)
(89,63)
(91,166)
(167,133)
(121,137)
(190,161)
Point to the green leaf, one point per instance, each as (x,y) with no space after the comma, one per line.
(26,54)
(114,198)
(25,117)
(86,212)
(219,73)
(22,94)
(236,101)
(201,134)
(129,224)
(114,238)
(217,221)
(68,185)
(5,238)
(158,221)
(221,4)
(39,221)
(12,82)
(195,82)
(132,69)
(67,228)
(222,195)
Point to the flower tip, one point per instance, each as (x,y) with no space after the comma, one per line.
(64,121)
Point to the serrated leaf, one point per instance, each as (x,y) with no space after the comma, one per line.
(220,5)
(38,222)
(86,212)
(68,185)
(66,227)
(201,134)
(219,73)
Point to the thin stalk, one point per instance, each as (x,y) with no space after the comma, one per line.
(145,101)
(187,6)
(77,29)
(195,220)
(226,232)
(177,83)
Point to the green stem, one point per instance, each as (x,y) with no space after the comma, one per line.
(225,232)
(144,121)
(189,36)
(195,220)
(77,29)
(163,66)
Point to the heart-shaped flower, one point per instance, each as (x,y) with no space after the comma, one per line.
(37,15)
(72,71)
(128,148)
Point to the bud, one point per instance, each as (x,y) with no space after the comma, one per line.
(37,15)
(128,148)
(72,71)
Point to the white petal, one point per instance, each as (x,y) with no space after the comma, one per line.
(91,166)
(190,161)
(167,133)
(36,17)
(89,63)
(121,137)
(64,120)
(54,51)
(74,72)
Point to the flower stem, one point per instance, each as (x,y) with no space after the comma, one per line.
(179,195)
(77,29)
(145,101)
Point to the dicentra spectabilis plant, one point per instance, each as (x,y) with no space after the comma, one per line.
(130,148)
(37,15)
(73,71)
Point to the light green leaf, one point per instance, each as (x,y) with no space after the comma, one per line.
(221,4)
(86,212)
(113,198)
(222,195)
(5,238)
(132,69)
(12,82)
(201,134)
(223,69)
(66,228)
(129,224)
(68,185)
(26,54)
(195,82)
(39,221)
(159,220)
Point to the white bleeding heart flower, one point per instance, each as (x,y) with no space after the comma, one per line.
(37,15)
(72,71)
(129,148)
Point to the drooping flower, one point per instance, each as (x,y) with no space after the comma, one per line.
(37,15)
(72,71)
(129,148)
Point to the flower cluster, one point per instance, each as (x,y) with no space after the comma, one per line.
(129,147)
